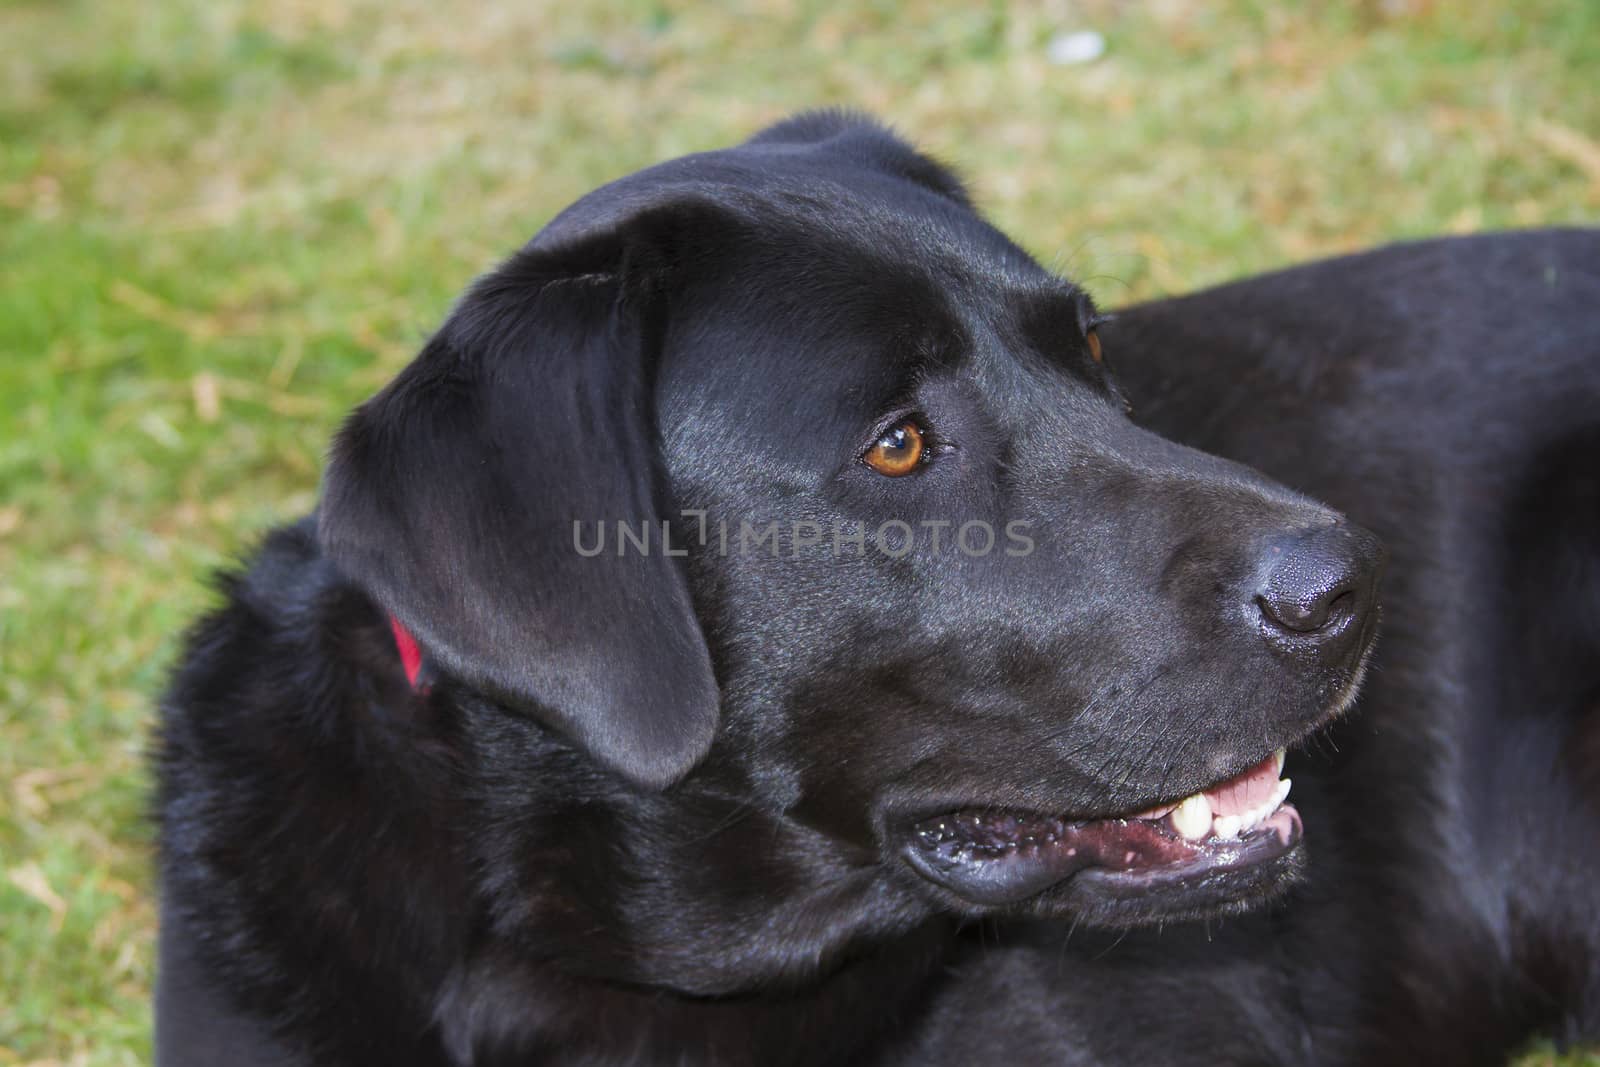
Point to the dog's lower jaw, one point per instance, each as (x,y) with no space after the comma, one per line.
(1237,877)
(1095,900)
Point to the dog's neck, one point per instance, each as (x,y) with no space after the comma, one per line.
(501,1008)
(591,902)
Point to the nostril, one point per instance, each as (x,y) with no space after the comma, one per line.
(1308,612)
(1302,617)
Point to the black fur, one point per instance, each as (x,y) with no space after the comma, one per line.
(656,807)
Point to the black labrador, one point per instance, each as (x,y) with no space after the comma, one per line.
(754,631)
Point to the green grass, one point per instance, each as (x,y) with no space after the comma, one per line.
(222,224)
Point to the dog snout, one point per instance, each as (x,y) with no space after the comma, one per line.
(1318,589)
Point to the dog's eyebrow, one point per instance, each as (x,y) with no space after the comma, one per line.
(936,351)
(925,352)
(1063,291)
(1055,305)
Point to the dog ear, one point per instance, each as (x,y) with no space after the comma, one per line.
(452,496)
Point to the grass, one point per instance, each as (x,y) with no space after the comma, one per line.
(222,224)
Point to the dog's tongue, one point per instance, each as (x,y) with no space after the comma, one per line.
(1248,791)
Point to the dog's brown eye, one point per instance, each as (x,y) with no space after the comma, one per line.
(1093,337)
(898,451)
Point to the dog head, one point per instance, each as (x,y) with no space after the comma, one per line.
(776,475)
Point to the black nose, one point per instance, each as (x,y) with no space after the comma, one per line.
(1318,589)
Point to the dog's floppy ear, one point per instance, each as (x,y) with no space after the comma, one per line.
(451,497)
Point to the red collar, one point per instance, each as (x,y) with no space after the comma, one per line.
(410,655)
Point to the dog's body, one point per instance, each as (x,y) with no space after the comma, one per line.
(515,865)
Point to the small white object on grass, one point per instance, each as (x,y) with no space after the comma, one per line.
(1070,49)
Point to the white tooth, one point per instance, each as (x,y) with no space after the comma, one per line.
(1277,762)
(1253,817)
(1226,827)
(1192,818)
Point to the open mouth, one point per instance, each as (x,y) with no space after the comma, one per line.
(1205,852)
